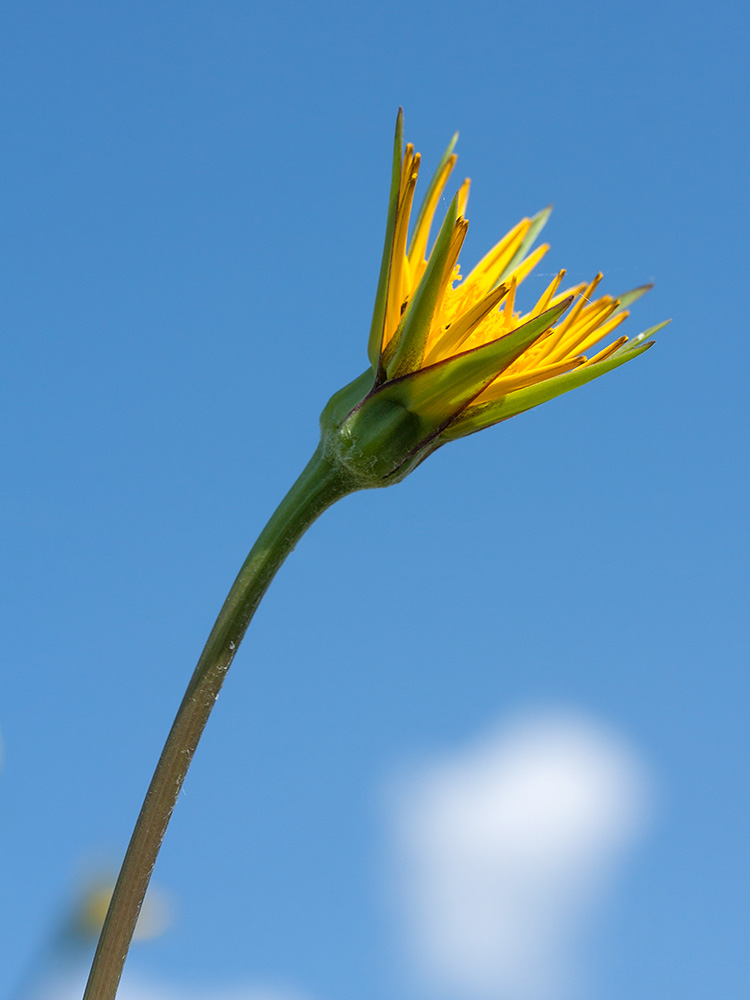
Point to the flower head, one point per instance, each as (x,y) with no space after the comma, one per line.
(451,355)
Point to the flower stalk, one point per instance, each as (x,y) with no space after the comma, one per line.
(320,485)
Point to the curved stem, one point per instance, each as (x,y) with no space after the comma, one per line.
(319,486)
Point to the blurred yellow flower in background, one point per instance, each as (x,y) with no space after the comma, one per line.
(92,905)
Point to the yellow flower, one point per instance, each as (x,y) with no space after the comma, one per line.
(452,355)
(91,909)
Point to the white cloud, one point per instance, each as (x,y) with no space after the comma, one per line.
(506,849)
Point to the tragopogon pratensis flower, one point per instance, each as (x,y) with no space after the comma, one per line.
(452,355)
(448,356)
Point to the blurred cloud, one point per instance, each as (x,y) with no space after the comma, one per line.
(505,850)
(503,854)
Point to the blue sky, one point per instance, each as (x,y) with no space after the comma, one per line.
(194,205)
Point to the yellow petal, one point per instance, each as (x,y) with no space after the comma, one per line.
(399,288)
(495,262)
(463,196)
(528,265)
(505,384)
(578,337)
(608,351)
(421,234)
(449,341)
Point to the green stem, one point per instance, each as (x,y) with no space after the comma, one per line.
(320,485)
